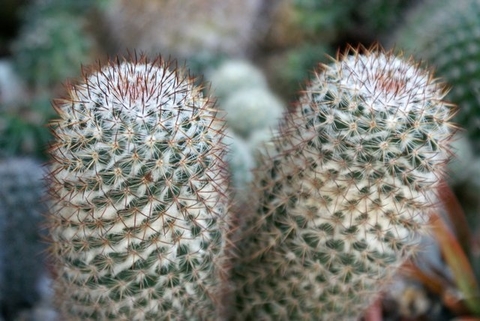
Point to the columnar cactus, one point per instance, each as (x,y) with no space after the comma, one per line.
(346,192)
(138,183)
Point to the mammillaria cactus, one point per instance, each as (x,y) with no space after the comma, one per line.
(138,185)
(346,192)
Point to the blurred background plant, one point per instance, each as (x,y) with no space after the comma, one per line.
(51,42)
(44,42)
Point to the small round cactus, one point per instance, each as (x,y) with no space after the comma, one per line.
(235,75)
(252,110)
(139,191)
(346,192)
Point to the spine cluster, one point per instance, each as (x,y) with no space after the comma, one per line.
(139,195)
(346,192)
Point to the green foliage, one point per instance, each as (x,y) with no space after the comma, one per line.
(23,132)
(381,16)
(339,205)
(138,186)
(241,162)
(51,45)
(297,65)
(328,19)
(320,18)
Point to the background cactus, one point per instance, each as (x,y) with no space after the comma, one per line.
(22,194)
(139,196)
(446,34)
(304,32)
(248,112)
(348,190)
(251,112)
(234,75)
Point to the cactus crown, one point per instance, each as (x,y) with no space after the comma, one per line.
(347,191)
(139,189)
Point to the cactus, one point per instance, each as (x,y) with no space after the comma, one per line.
(461,168)
(341,201)
(240,162)
(252,110)
(235,75)
(139,190)
(22,193)
(446,34)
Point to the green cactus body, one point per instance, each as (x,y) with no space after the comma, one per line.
(346,192)
(139,188)
(446,34)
